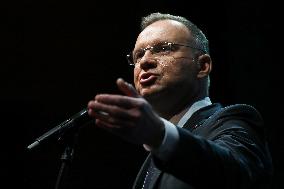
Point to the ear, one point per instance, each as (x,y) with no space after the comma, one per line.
(205,65)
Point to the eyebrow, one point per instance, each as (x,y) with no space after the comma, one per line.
(151,44)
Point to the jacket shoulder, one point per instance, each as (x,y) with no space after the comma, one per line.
(242,112)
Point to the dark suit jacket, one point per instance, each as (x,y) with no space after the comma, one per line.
(218,148)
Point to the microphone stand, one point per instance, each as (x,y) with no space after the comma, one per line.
(68,143)
(67,132)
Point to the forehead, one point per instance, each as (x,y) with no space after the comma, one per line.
(163,30)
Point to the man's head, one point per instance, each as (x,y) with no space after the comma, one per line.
(171,61)
(199,40)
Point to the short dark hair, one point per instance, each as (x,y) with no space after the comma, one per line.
(199,39)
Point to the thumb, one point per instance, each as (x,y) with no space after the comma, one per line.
(126,88)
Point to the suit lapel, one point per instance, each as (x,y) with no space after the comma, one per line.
(200,116)
(138,183)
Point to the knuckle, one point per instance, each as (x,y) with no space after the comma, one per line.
(114,111)
(111,120)
(136,114)
(141,102)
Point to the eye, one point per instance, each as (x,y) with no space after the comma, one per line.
(138,55)
(162,48)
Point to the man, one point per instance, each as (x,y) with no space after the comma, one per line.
(192,142)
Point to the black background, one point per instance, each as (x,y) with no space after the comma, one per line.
(57,55)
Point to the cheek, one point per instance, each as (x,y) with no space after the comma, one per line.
(170,68)
(177,70)
(166,64)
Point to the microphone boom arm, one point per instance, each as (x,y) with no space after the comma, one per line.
(72,123)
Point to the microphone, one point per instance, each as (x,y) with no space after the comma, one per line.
(74,122)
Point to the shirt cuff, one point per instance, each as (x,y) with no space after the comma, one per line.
(169,143)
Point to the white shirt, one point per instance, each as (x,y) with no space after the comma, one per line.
(171,134)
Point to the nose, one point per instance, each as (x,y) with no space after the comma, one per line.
(148,61)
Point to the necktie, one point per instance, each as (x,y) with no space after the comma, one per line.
(152,174)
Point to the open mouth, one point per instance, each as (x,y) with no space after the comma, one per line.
(147,79)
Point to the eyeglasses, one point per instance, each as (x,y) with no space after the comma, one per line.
(160,49)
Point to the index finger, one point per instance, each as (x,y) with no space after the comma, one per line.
(126,88)
(118,100)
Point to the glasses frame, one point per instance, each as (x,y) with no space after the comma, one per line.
(129,56)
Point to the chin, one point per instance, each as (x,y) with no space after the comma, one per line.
(152,93)
(147,91)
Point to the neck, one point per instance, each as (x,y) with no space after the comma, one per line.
(174,111)
(171,107)
(177,117)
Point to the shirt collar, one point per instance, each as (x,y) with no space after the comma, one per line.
(194,107)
